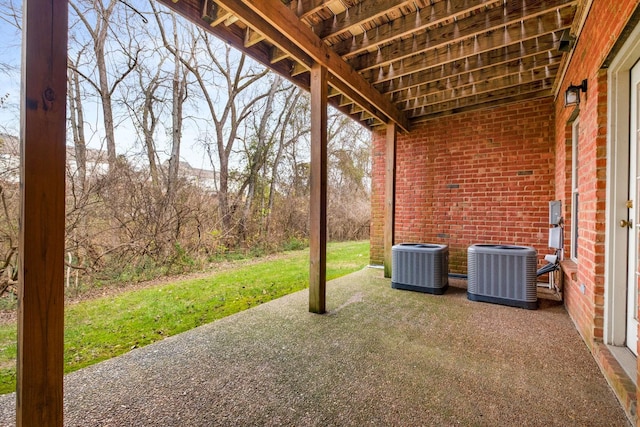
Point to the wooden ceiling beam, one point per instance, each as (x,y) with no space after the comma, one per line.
(540,88)
(464,56)
(234,36)
(356,15)
(475,73)
(472,71)
(257,24)
(489,104)
(283,27)
(345,109)
(482,80)
(357,98)
(365,116)
(498,30)
(261,53)
(230,20)
(473,89)
(449,56)
(428,17)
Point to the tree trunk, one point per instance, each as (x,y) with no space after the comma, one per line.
(291,122)
(99,32)
(178,90)
(76,114)
(103,82)
(148,125)
(259,156)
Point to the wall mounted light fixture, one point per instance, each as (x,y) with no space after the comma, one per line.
(572,95)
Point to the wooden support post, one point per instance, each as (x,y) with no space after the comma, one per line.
(318,205)
(389,196)
(40,361)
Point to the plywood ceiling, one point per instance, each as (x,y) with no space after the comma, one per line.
(403,61)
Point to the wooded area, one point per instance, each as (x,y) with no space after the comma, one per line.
(144,88)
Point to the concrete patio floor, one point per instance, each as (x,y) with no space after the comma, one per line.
(379,357)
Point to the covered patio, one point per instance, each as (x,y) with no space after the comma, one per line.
(379,357)
(482,112)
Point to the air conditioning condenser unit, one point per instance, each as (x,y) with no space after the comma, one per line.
(502,274)
(421,267)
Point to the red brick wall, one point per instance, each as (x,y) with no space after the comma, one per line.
(478,177)
(603,27)
(605,22)
(464,179)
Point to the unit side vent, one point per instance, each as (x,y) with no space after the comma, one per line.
(420,267)
(502,274)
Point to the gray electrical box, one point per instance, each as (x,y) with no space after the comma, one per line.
(555,212)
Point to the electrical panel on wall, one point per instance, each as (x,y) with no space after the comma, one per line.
(555,212)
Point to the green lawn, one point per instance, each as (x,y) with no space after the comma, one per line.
(102,328)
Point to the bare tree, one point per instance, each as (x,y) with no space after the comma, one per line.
(182,54)
(146,109)
(293,129)
(151,217)
(349,157)
(96,18)
(229,88)
(240,80)
(76,119)
(178,97)
(11,13)
(257,145)
(272,131)
(150,121)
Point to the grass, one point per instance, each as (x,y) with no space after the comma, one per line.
(103,328)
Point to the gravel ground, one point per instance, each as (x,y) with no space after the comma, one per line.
(380,357)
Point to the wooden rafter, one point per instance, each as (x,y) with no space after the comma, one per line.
(355,16)
(527,91)
(214,14)
(433,114)
(471,35)
(282,26)
(429,17)
(456,86)
(236,37)
(459,60)
(392,61)
(504,86)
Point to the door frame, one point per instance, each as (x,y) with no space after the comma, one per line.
(618,109)
(632,231)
